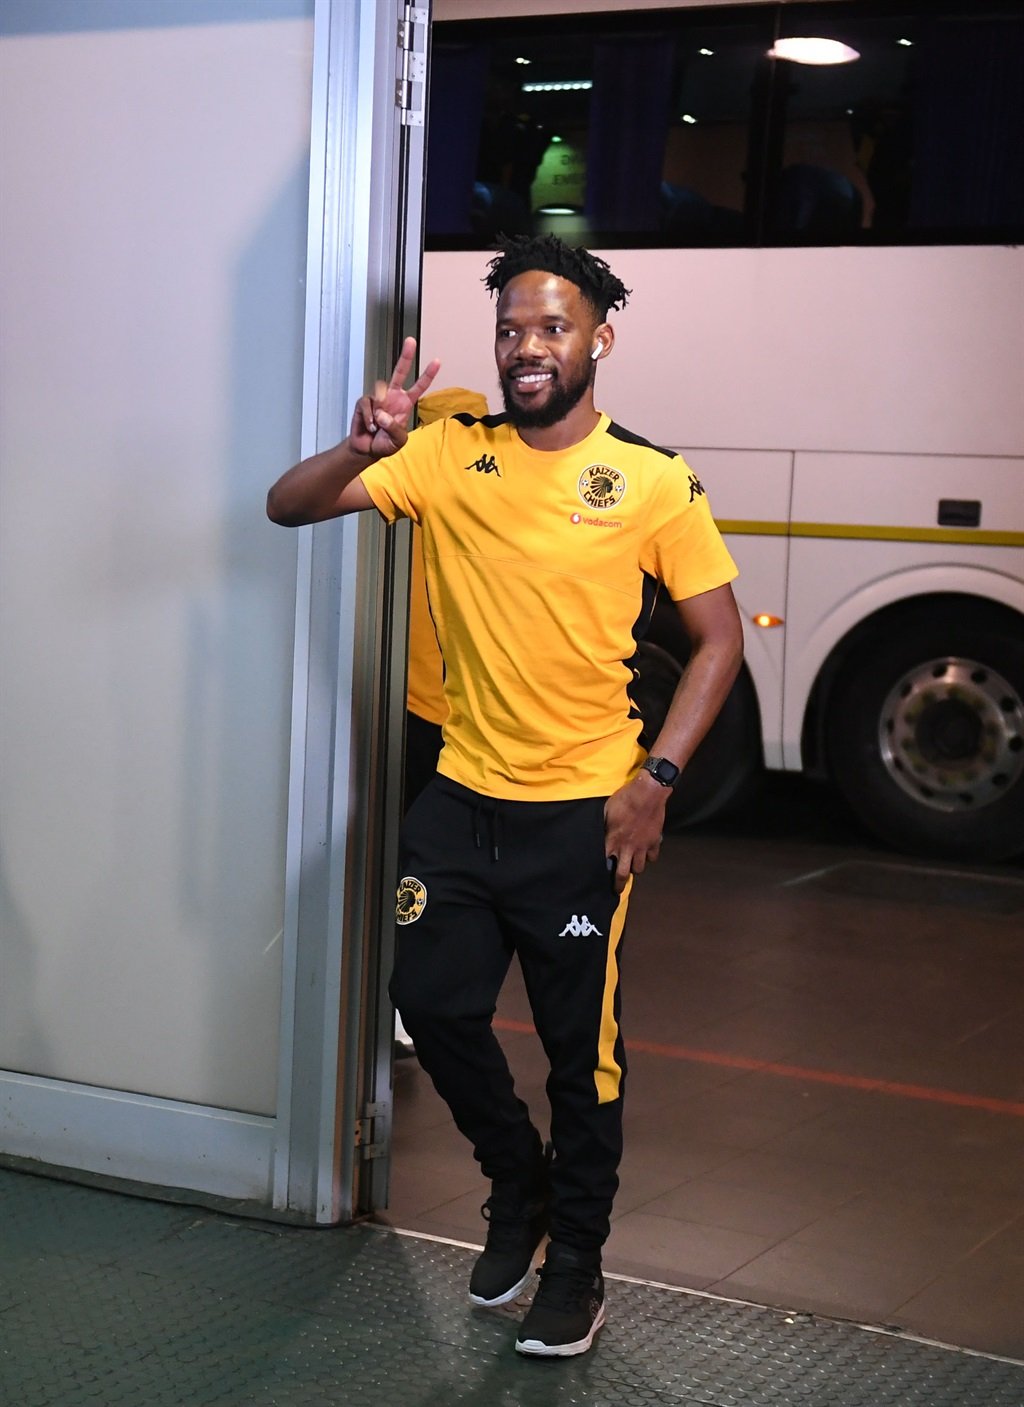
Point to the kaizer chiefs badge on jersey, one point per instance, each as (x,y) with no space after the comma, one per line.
(412,899)
(601,486)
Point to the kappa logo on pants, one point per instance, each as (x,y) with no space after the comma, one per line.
(580,928)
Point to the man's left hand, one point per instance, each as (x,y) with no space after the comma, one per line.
(634,818)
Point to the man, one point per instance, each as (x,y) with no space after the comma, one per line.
(545,532)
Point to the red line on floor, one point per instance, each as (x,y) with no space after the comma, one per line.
(801,1072)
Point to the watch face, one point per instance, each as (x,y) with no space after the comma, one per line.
(662,770)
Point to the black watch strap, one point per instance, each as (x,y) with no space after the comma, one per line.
(663,771)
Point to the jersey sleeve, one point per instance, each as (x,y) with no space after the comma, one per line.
(399,484)
(682,545)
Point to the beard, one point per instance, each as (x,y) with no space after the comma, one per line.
(563,397)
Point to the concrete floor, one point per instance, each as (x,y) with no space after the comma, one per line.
(825,1109)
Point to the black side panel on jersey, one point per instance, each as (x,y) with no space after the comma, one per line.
(627,436)
(649,594)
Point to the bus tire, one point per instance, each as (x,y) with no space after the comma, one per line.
(730,761)
(925,732)
(727,766)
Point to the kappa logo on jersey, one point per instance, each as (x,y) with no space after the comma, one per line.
(580,928)
(412,899)
(486,464)
(696,487)
(601,486)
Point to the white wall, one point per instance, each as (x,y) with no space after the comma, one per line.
(153,252)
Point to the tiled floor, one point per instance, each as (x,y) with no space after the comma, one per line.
(877,1171)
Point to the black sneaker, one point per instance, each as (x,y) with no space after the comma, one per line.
(567,1310)
(518,1224)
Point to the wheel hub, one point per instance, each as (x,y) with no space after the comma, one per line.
(951,734)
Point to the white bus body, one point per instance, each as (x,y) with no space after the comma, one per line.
(856,415)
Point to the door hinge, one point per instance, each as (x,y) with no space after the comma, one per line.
(411,87)
(366,1146)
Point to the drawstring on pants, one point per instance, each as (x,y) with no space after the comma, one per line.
(486,814)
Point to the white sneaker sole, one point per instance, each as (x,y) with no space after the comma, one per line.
(535,1349)
(507,1296)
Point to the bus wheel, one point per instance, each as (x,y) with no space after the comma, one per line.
(925,734)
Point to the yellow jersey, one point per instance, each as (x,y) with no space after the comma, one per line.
(542,569)
(425,695)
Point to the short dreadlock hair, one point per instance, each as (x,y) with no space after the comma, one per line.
(521,254)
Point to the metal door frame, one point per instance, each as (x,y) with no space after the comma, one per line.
(348,704)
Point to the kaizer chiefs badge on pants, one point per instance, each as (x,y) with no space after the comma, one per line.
(412,899)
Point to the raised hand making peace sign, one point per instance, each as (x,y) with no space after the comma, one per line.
(380,422)
(327,485)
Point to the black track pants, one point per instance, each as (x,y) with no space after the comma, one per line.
(483,879)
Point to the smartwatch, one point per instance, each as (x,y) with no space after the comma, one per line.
(663,771)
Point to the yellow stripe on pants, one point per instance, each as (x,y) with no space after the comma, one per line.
(608,1075)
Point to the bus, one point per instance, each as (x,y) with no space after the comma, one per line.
(819,209)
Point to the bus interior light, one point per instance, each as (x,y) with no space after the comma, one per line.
(706,52)
(807,49)
(766,621)
(574,85)
(689,117)
(905,43)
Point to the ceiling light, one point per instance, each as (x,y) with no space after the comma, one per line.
(808,50)
(523,61)
(689,117)
(557,210)
(706,52)
(907,43)
(575,85)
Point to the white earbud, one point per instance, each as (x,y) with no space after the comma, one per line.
(595,353)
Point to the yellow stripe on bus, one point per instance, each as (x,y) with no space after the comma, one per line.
(977,537)
(754,529)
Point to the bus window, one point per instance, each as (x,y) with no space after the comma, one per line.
(918,137)
(685,127)
(714,135)
(621,130)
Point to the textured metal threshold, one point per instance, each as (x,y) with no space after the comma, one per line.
(114,1301)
